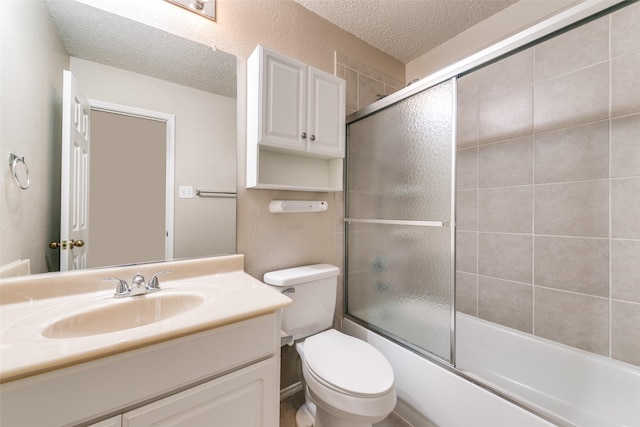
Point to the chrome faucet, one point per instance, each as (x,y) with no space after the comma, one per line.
(138,286)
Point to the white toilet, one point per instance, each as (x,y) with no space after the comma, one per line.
(349,383)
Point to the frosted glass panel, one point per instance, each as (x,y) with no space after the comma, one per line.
(399,280)
(399,182)
(399,164)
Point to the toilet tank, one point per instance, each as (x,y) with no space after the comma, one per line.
(313,291)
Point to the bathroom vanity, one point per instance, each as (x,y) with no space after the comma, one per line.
(204,350)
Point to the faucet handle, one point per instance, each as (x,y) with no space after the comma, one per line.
(154,283)
(137,281)
(122,288)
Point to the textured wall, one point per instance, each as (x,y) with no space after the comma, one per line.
(31,90)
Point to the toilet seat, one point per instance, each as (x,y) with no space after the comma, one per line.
(348,365)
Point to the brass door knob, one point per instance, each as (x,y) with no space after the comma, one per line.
(78,243)
(71,243)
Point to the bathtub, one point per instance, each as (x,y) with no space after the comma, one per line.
(572,387)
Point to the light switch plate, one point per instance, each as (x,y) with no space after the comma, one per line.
(185,192)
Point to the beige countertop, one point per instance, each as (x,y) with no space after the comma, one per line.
(217,292)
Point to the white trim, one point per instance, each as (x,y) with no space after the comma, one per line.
(170,120)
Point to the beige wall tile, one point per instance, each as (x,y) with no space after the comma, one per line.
(506,163)
(506,303)
(351,79)
(467,126)
(506,117)
(577,320)
(625,30)
(625,84)
(508,75)
(505,256)
(368,90)
(625,270)
(579,144)
(467,252)
(388,90)
(467,293)
(564,102)
(625,335)
(467,90)
(573,50)
(467,168)
(506,209)
(572,154)
(625,146)
(572,264)
(467,210)
(572,209)
(625,208)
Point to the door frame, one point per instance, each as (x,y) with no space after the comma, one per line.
(169,120)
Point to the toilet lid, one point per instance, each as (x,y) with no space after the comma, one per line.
(348,364)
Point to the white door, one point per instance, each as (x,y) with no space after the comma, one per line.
(75,177)
(326,113)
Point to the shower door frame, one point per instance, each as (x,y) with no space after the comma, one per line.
(564,21)
(415,223)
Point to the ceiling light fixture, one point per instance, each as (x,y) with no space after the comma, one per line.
(206,8)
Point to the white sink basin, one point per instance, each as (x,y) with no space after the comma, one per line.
(52,321)
(121,314)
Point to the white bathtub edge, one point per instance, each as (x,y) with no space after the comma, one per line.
(439,395)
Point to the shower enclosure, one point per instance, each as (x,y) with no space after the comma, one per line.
(504,193)
(400,220)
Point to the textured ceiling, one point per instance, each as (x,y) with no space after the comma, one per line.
(99,36)
(405,29)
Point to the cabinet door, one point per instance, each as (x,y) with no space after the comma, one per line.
(326,114)
(248,397)
(283,112)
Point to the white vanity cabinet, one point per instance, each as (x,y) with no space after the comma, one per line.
(235,400)
(295,124)
(224,377)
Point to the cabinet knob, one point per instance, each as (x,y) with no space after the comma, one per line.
(304,135)
(313,137)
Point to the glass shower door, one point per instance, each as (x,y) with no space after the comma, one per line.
(400,221)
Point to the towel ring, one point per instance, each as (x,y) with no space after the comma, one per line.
(13,161)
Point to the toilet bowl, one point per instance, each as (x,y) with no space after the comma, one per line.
(348,382)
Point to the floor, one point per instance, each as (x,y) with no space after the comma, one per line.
(289,406)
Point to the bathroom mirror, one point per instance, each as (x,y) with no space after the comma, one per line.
(126,63)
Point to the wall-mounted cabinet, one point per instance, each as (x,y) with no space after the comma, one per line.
(295,125)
